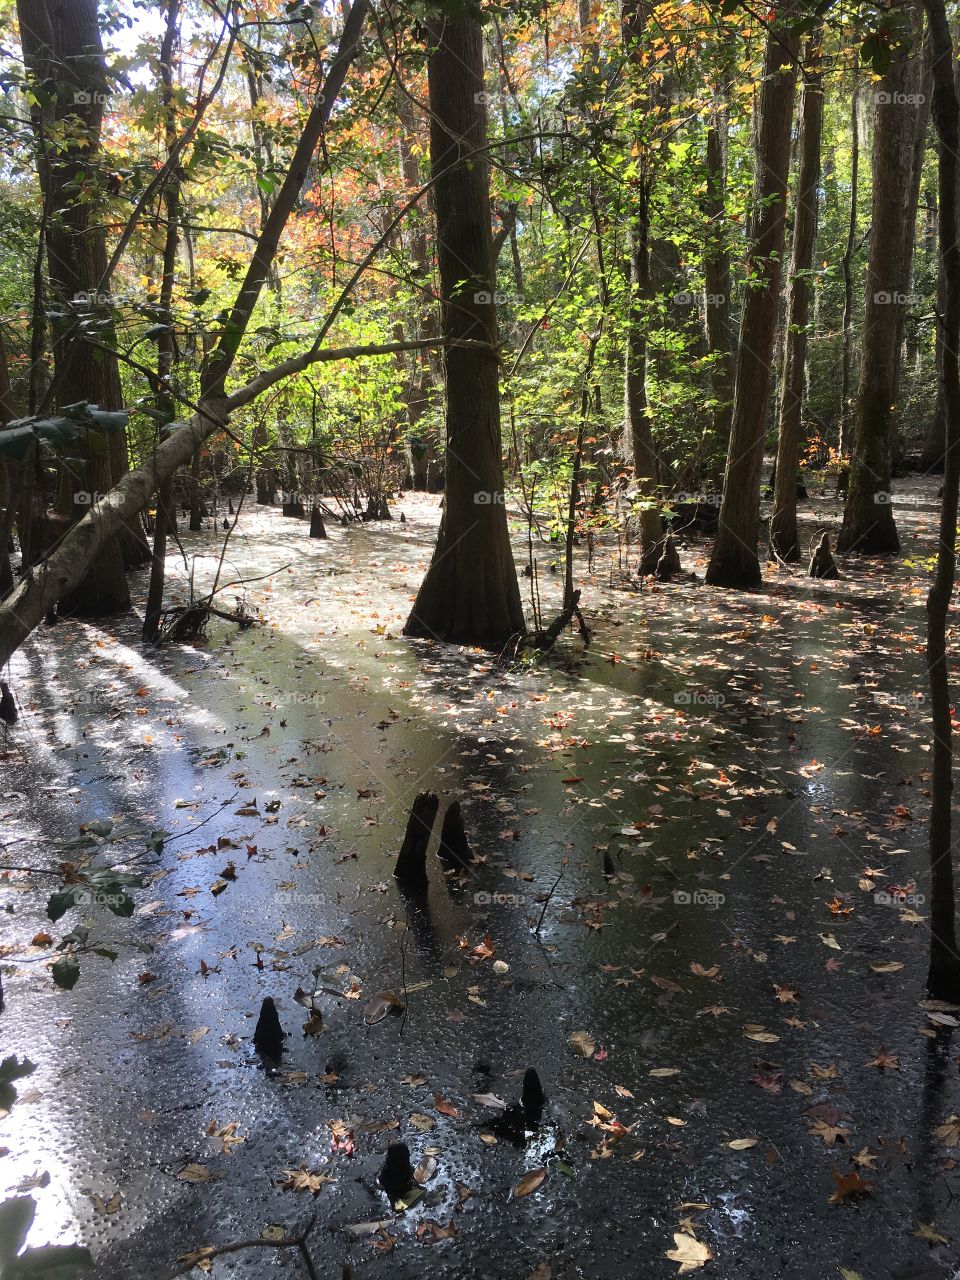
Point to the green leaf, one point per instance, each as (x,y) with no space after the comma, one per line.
(121,904)
(66,972)
(59,903)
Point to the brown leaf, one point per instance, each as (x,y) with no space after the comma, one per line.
(848,1186)
(528,1183)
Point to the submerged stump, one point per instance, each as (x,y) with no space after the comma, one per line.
(411,868)
(396,1173)
(822,563)
(269,1035)
(668,566)
(454,848)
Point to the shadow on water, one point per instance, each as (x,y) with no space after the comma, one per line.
(728,799)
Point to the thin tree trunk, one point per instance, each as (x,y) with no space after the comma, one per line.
(868,523)
(470,594)
(847,262)
(734,561)
(638,444)
(717,283)
(784,537)
(166,347)
(943,980)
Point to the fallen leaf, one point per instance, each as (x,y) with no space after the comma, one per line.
(528,1183)
(582,1044)
(690,1252)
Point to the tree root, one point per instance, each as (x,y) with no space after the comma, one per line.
(544,638)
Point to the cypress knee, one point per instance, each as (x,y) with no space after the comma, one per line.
(411,868)
(454,848)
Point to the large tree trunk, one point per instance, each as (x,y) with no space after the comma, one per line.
(846,265)
(734,561)
(784,537)
(637,430)
(65,566)
(423,459)
(61,46)
(868,523)
(943,980)
(470,594)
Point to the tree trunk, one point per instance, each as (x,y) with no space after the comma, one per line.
(470,594)
(717,284)
(637,431)
(10,473)
(784,537)
(166,348)
(868,524)
(61,45)
(943,979)
(847,262)
(734,561)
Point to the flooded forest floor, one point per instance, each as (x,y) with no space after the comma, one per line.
(697,907)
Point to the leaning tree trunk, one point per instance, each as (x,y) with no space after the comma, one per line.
(868,523)
(734,561)
(61,47)
(470,594)
(784,537)
(65,566)
(943,980)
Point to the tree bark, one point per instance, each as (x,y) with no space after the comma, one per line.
(943,979)
(470,594)
(638,444)
(166,348)
(784,537)
(868,524)
(61,46)
(717,284)
(847,262)
(734,561)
